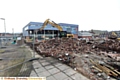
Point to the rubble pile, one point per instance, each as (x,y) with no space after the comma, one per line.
(78,53)
(62,49)
(110,45)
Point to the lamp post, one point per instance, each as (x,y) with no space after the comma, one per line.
(13,32)
(33,42)
(4,27)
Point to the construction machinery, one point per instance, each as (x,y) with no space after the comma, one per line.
(113,35)
(61,32)
(28,40)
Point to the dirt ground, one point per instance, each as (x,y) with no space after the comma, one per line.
(10,57)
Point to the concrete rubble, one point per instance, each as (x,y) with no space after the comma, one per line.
(93,58)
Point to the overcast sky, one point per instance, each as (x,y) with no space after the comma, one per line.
(88,14)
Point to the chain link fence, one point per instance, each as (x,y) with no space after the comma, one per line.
(16,61)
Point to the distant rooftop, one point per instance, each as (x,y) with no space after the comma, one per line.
(66,24)
(84,33)
(97,32)
(37,25)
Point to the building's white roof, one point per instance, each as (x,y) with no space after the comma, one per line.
(84,33)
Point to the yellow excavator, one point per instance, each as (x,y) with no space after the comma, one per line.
(48,21)
(61,32)
(114,36)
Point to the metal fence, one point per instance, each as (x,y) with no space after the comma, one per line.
(5,42)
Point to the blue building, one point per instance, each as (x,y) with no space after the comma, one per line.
(49,31)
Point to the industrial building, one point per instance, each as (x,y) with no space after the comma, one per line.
(85,34)
(49,31)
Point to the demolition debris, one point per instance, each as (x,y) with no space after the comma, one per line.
(96,59)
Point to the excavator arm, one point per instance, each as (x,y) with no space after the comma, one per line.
(48,21)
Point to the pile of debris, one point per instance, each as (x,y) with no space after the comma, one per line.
(79,53)
(62,49)
(109,45)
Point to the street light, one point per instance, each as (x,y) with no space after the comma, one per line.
(33,42)
(33,57)
(4,26)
